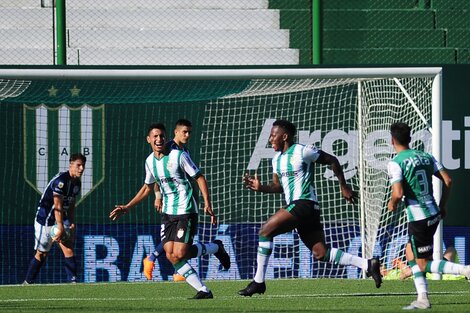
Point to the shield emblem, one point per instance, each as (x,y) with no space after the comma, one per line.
(51,135)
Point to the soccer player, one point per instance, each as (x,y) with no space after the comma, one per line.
(170,170)
(410,173)
(57,206)
(402,271)
(293,175)
(182,133)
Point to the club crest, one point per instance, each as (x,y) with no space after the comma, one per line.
(180,233)
(52,134)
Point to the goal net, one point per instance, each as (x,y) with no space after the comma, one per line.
(105,113)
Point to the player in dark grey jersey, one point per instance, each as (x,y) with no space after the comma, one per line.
(57,206)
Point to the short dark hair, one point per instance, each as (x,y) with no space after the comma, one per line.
(401,132)
(156,126)
(77,156)
(183,122)
(288,127)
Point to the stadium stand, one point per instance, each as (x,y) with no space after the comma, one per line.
(243,32)
(400,32)
(147,32)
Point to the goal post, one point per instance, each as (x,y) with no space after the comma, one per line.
(105,112)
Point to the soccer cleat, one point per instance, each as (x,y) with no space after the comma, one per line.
(466,271)
(418,304)
(148,268)
(203,295)
(178,277)
(222,255)
(373,269)
(253,288)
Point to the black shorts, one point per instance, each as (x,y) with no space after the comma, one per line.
(421,236)
(309,227)
(179,228)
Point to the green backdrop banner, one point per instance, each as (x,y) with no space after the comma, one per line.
(117,119)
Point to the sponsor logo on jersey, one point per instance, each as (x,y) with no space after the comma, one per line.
(52,134)
(424,249)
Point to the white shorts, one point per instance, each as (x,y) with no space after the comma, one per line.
(42,236)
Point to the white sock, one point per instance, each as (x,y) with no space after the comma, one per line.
(343,258)
(265,249)
(186,270)
(444,267)
(420,281)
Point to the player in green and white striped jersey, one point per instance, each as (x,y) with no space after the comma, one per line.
(410,174)
(169,169)
(293,175)
(182,134)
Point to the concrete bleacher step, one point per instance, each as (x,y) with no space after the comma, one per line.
(93,56)
(187,38)
(453,19)
(179,4)
(458,38)
(27,38)
(32,56)
(390,56)
(241,32)
(142,18)
(463,56)
(450,4)
(149,4)
(20,4)
(174,19)
(25,18)
(368,4)
(378,19)
(380,38)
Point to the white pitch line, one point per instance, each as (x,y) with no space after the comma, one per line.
(264,297)
(73,299)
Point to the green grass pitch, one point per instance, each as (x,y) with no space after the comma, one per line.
(292,295)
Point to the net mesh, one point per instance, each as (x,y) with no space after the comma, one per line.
(107,120)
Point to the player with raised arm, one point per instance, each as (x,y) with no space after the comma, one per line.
(170,170)
(411,173)
(57,207)
(293,175)
(182,134)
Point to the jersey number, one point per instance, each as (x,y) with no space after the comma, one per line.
(423,182)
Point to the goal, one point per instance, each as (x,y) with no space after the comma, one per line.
(105,113)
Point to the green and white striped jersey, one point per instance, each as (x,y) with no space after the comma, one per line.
(169,173)
(294,168)
(415,169)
